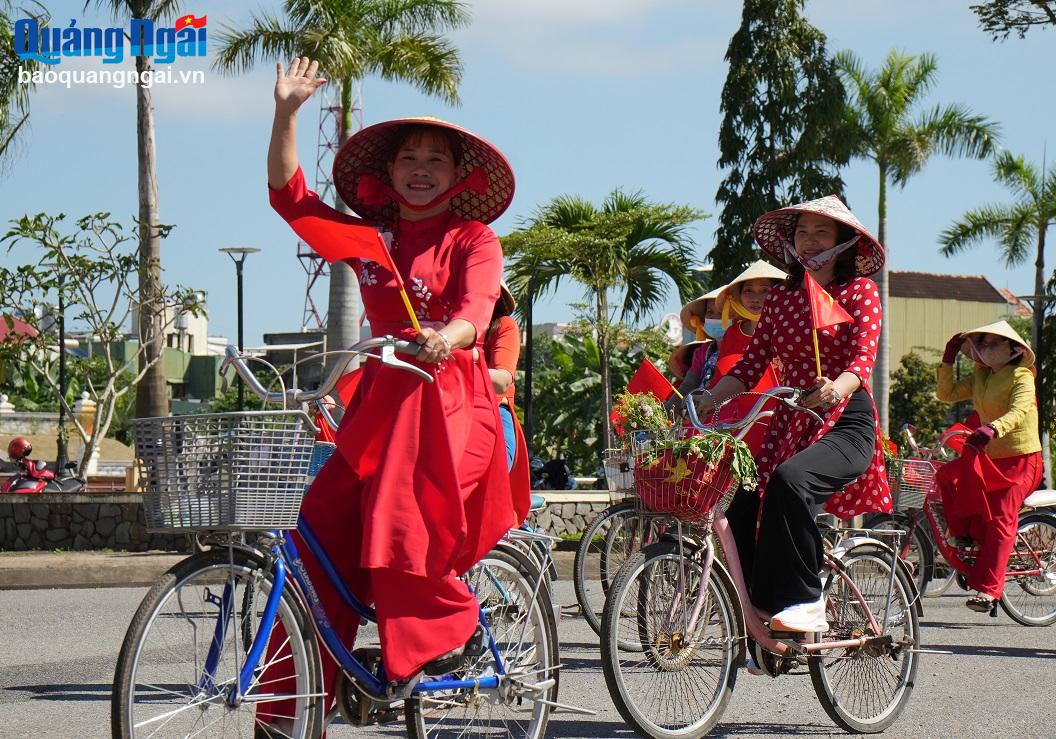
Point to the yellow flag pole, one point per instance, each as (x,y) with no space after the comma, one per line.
(414,318)
(817,352)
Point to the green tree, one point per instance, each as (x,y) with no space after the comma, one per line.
(1000,18)
(14,95)
(625,253)
(152,398)
(889,127)
(397,40)
(95,269)
(913,398)
(781,134)
(1016,227)
(568,398)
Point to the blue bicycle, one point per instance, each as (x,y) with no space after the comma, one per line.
(228,642)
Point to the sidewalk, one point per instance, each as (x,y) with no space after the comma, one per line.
(41,570)
(44,570)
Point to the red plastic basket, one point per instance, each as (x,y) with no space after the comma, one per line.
(685,486)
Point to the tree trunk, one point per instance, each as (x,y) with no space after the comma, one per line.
(603,362)
(151,393)
(882,368)
(343,311)
(1037,341)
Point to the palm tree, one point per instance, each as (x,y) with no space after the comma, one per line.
(152,391)
(628,249)
(351,39)
(1016,226)
(14,95)
(887,129)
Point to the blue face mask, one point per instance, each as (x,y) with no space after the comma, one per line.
(713,327)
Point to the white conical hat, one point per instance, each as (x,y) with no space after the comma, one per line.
(759,270)
(773,232)
(1005,330)
(695,307)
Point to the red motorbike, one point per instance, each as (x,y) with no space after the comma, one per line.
(33,476)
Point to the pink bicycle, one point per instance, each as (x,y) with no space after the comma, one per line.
(677,619)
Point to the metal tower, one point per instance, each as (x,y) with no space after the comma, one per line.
(329,142)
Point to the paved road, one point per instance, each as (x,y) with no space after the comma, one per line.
(57,651)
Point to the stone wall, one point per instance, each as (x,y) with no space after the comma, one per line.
(115,520)
(80,521)
(568,512)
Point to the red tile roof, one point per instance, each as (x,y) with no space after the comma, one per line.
(1019,308)
(973,288)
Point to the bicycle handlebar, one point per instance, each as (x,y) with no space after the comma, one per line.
(790,396)
(294,397)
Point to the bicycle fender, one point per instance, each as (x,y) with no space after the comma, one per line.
(848,545)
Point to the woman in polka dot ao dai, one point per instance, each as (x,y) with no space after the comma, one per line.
(806,467)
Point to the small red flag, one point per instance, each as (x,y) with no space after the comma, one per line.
(337,242)
(824,310)
(190,21)
(647,379)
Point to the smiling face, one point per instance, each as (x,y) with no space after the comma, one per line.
(423,168)
(754,292)
(814,234)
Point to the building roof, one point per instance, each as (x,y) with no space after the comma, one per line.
(971,288)
(1019,308)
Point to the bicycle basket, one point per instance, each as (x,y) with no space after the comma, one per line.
(683,485)
(910,480)
(619,470)
(224,471)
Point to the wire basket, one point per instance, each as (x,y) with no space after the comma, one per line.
(224,471)
(686,487)
(619,470)
(910,480)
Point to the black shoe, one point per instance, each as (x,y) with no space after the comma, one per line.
(454,659)
(964,542)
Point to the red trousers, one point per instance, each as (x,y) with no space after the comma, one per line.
(995,534)
(419,618)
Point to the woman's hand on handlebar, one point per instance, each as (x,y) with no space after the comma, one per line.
(435,347)
(825,395)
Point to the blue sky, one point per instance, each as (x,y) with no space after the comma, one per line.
(582,95)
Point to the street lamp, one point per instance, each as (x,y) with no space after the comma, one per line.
(238,255)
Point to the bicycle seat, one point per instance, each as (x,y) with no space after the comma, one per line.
(1041,499)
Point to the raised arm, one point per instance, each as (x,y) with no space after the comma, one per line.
(292,88)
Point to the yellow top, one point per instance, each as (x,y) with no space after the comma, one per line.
(1003,399)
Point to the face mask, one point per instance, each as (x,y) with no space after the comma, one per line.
(713,327)
(818,261)
(985,356)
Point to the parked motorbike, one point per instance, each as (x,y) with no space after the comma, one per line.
(33,476)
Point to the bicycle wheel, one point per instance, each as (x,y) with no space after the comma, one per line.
(943,574)
(1031,600)
(602,549)
(160,685)
(518,624)
(920,554)
(680,683)
(864,690)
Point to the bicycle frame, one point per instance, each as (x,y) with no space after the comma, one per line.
(951,554)
(289,566)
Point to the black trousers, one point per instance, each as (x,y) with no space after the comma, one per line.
(783,566)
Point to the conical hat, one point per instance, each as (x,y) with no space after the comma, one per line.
(773,232)
(695,307)
(682,357)
(509,305)
(759,270)
(368,152)
(1003,329)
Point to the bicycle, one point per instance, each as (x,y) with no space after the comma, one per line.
(687,609)
(202,653)
(933,575)
(1029,597)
